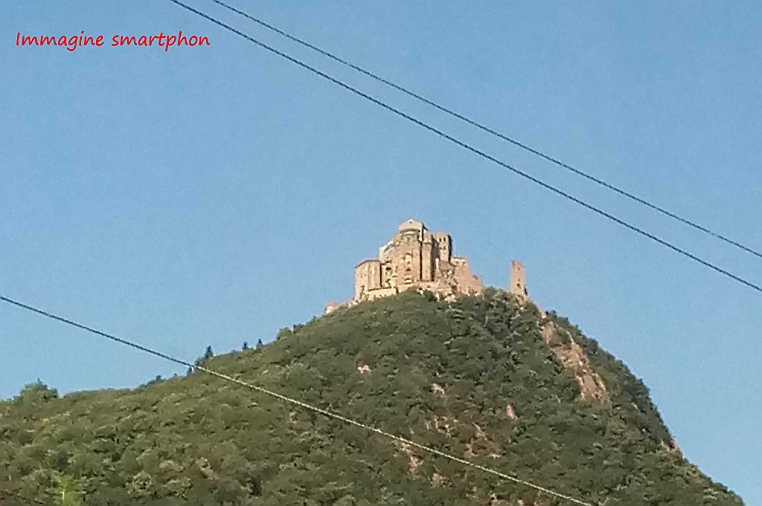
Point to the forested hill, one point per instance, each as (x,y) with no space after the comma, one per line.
(485,378)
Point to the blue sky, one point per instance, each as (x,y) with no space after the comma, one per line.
(210,196)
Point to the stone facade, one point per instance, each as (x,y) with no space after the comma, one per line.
(416,258)
(518,282)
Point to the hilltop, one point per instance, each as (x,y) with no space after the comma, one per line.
(490,378)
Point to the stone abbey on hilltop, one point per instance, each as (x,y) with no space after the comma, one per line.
(416,258)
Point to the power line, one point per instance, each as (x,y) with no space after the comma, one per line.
(474,150)
(491,131)
(295,402)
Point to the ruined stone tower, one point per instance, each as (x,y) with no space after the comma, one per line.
(518,283)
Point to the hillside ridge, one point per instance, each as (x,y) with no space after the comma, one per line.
(481,377)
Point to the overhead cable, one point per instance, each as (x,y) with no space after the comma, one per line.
(296,402)
(474,150)
(491,131)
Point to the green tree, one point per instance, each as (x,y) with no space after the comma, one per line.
(36,392)
(477,377)
(66,490)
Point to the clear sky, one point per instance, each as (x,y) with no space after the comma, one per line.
(210,196)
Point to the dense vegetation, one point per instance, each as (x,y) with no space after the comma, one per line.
(472,377)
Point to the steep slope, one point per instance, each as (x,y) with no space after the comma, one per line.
(486,378)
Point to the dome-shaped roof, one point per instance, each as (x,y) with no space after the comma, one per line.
(412,225)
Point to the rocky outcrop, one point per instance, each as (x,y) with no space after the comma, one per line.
(571,355)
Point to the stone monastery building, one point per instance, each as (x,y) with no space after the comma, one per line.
(416,258)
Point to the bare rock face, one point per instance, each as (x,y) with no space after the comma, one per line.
(413,460)
(671,446)
(571,355)
(437,389)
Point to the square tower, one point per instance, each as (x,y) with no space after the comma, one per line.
(444,246)
(518,284)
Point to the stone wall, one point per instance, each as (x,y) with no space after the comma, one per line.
(416,258)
